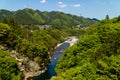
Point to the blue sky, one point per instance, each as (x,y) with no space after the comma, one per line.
(87,8)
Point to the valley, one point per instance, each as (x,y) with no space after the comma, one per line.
(53,45)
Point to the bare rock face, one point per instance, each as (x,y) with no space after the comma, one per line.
(30,68)
(33,66)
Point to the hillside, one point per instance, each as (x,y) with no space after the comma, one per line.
(29,46)
(55,18)
(96,56)
(30,50)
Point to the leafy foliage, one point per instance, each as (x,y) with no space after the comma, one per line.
(31,42)
(4,29)
(96,56)
(8,67)
(34,45)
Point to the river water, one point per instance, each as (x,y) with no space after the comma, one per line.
(53,61)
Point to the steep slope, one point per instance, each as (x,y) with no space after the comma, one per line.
(5,14)
(55,18)
(96,56)
(30,49)
(25,16)
(8,67)
(60,19)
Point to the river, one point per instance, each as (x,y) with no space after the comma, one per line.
(53,61)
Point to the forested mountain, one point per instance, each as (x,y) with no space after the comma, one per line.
(55,18)
(28,47)
(96,56)
(5,14)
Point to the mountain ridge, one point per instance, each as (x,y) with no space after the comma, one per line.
(55,18)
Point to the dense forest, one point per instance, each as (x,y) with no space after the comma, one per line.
(96,56)
(54,18)
(25,47)
(33,45)
(28,47)
(8,67)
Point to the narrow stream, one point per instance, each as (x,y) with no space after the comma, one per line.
(57,54)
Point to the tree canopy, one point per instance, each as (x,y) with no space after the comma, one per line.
(8,67)
(96,56)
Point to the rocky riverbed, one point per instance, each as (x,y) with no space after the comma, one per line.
(31,68)
(57,53)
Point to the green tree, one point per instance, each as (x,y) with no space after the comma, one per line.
(95,56)
(4,29)
(107,17)
(8,67)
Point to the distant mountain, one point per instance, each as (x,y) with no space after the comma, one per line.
(55,18)
(5,14)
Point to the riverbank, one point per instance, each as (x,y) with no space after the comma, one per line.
(30,68)
(72,40)
(57,53)
(33,73)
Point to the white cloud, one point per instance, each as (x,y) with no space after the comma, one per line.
(76,5)
(60,2)
(62,5)
(42,1)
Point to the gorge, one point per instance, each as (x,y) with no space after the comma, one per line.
(57,53)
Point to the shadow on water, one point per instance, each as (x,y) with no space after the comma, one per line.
(51,72)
